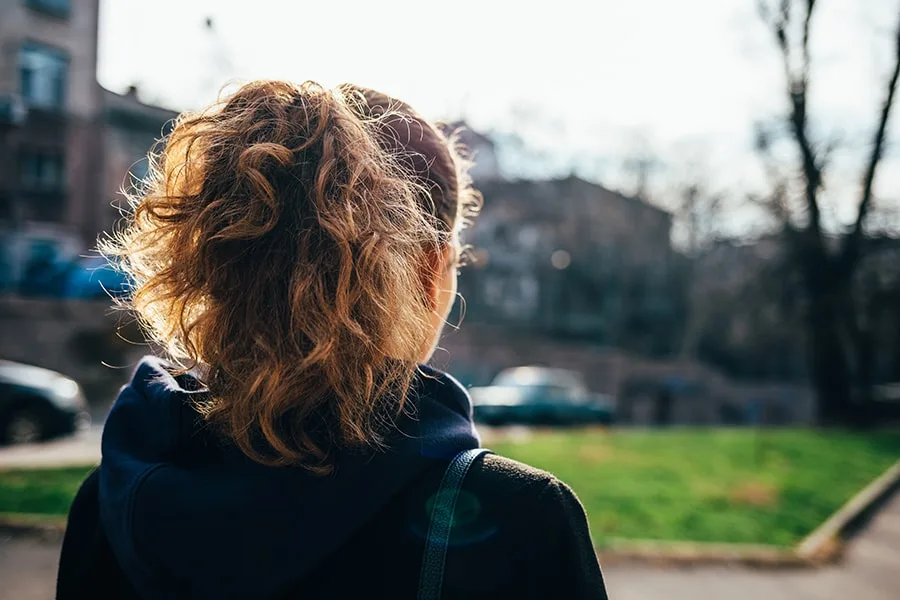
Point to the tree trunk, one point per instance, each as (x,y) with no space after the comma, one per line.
(828,293)
(865,380)
(829,365)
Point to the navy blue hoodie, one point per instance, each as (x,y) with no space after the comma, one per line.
(187,515)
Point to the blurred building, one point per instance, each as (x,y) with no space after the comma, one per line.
(481,149)
(130,129)
(574,259)
(50,104)
(66,144)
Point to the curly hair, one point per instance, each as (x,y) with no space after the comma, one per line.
(277,248)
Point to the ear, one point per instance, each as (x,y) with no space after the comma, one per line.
(434,265)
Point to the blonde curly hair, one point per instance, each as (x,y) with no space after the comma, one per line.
(278,249)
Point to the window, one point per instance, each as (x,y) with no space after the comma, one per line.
(43,73)
(57,8)
(41,171)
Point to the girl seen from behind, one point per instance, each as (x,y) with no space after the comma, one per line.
(295,253)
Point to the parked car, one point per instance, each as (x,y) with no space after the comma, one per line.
(93,278)
(38,404)
(540,396)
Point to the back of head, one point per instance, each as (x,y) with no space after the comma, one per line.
(279,245)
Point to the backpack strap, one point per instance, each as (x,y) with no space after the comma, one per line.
(438,538)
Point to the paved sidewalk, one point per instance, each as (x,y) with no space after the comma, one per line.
(79,449)
(871,571)
(27,569)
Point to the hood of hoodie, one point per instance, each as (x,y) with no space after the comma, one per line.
(190,516)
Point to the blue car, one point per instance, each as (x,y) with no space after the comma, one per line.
(540,396)
(93,278)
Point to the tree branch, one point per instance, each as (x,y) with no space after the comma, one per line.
(797,85)
(797,89)
(852,246)
(776,202)
(810,5)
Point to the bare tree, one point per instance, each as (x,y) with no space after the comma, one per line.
(836,335)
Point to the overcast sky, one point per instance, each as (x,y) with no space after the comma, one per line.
(584,82)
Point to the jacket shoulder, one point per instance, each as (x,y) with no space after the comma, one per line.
(517,532)
(533,520)
(503,477)
(511,489)
(526,496)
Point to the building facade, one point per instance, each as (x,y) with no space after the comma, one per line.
(50,104)
(67,146)
(131,129)
(576,260)
(480,149)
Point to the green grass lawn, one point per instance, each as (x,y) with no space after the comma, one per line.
(711,485)
(40,491)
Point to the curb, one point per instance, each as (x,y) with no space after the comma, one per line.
(852,516)
(688,554)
